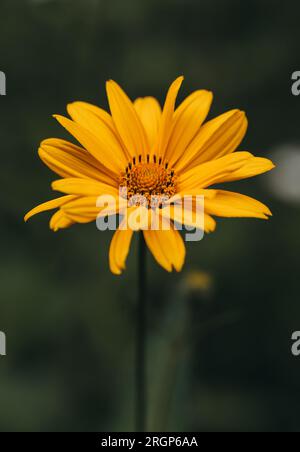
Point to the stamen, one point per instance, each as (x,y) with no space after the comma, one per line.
(144,179)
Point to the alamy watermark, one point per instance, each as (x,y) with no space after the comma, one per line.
(296,83)
(296,343)
(157,213)
(2,344)
(2,84)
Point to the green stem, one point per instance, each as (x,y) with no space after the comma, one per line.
(141,391)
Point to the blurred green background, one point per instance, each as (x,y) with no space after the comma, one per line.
(220,332)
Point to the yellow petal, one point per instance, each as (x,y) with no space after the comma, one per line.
(49,205)
(167,247)
(182,216)
(139,218)
(167,117)
(149,112)
(107,119)
(97,146)
(68,160)
(87,119)
(60,221)
(187,200)
(218,137)
(213,172)
(119,249)
(253,167)
(90,207)
(210,223)
(188,119)
(230,204)
(192,193)
(84,187)
(85,206)
(100,113)
(77,218)
(126,120)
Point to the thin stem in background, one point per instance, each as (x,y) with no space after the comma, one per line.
(141,361)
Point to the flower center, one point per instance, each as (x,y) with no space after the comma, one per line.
(150,180)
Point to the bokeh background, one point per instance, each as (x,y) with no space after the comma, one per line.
(220,332)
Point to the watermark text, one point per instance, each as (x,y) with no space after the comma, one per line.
(296,83)
(296,343)
(2,344)
(2,84)
(181,213)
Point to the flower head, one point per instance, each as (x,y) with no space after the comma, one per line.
(145,158)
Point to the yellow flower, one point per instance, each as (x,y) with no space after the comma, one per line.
(198,281)
(150,151)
